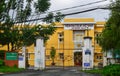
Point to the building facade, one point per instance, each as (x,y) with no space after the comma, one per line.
(68,41)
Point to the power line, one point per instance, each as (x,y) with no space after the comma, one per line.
(65,9)
(68,14)
(79,5)
(76,6)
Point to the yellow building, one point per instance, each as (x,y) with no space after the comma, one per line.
(68,41)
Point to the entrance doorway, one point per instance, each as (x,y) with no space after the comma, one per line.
(78,58)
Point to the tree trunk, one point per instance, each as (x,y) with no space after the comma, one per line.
(8,47)
(12,47)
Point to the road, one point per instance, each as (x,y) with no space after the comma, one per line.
(52,72)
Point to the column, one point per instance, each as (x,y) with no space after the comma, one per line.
(39,54)
(87,53)
(22,58)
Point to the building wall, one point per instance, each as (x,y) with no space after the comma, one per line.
(68,47)
(98,56)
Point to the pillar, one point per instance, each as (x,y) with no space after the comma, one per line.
(87,53)
(39,54)
(22,58)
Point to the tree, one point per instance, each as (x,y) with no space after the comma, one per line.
(6,33)
(109,38)
(2,3)
(12,11)
(52,55)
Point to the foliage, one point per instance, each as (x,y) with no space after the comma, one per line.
(2,53)
(2,3)
(52,54)
(26,35)
(109,38)
(1,62)
(7,69)
(110,70)
(116,53)
(51,18)
(29,34)
(12,11)
(42,5)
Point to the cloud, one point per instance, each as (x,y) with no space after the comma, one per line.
(98,15)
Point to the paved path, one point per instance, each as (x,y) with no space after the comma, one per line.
(52,72)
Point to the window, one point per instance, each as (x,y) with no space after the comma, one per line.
(61,55)
(97,35)
(97,38)
(98,57)
(60,40)
(60,37)
(78,40)
(47,57)
(78,36)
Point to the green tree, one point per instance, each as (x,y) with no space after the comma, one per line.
(5,33)
(2,4)
(52,55)
(12,11)
(109,38)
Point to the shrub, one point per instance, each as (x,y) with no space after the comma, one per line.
(2,52)
(7,69)
(111,70)
(1,62)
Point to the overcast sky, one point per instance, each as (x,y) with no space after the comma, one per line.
(98,15)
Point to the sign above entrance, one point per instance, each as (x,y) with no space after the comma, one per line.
(78,26)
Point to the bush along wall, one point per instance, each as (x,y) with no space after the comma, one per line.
(1,62)
(111,70)
(2,52)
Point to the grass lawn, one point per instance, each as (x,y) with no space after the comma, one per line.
(6,69)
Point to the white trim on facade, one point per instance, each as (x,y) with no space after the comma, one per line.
(79,23)
(99,25)
(58,26)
